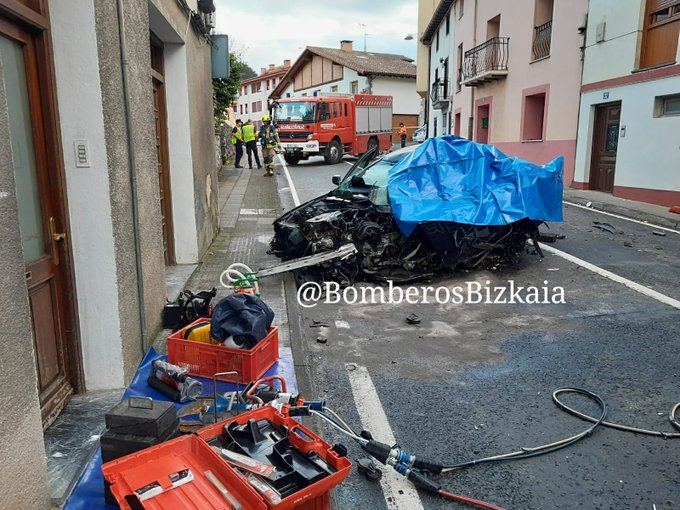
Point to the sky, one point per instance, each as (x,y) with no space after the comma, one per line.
(268,32)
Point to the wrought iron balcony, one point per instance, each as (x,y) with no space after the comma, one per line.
(486,62)
(440,94)
(541,44)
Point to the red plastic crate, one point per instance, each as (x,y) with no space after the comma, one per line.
(205,360)
(137,470)
(314,497)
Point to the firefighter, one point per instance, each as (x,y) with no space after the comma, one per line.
(402,134)
(269,139)
(237,141)
(251,144)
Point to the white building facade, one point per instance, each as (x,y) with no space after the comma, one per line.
(252,100)
(629,118)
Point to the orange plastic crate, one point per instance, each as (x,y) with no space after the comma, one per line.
(136,470)
(205,360)
(314,497)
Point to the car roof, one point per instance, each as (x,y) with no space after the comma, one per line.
(399,153)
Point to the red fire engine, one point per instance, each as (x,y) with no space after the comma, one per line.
(331,125)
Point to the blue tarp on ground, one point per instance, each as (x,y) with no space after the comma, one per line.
(88,493)
(449,178)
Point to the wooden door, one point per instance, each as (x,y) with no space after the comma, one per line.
(161,118)
(42,220)
(605,142)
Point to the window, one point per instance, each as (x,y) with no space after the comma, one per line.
(448,22)
(436,39)
(255,87)
(660,33)
(667,106)
(334,88)
(543,14)
(460,8)
(493,27)
(324,113)
(354,87)
(268,84)
(532,120)
(459,60)
(241,109)
(246,107)
(335,110)
(345,109)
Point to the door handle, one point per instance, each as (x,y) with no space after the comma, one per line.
(55,238)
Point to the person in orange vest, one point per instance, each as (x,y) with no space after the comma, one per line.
(402,134)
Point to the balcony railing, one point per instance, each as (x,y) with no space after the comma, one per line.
(486,62)
(439,94)
(542,36)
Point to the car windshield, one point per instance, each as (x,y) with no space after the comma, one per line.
(369,177)
(295,111)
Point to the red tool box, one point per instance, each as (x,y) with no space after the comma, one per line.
(297,445)
(205,360)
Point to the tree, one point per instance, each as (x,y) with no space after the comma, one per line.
(225,91)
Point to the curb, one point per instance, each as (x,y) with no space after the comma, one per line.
(628,212)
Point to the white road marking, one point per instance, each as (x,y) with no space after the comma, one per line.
(257,212)
(350,163)
(342,324)
(293,191)
(399,493)
(652,225)
(662,298)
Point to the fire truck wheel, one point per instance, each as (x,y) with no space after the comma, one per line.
(373,144)
(333,153)
(292,159)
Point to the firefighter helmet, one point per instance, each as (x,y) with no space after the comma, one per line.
(266,118)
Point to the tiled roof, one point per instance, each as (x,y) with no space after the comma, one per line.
(369,63)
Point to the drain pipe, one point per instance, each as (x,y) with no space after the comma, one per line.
(473,115)
(132,163)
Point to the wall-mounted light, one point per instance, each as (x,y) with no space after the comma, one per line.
(410,37)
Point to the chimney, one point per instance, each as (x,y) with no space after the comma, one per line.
(263,70)
(286,63)
(346,45)
(271,66)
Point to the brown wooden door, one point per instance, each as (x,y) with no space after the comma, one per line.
(41,214)
(605,142)
(161,117)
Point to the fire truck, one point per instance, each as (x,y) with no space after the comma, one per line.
(332,125)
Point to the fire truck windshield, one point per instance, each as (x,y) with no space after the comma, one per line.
(297,111)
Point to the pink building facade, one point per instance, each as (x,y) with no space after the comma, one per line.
(509,74)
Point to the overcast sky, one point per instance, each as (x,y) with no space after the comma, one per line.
(267,32)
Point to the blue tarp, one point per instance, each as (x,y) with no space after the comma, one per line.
(449,178)
(88,493)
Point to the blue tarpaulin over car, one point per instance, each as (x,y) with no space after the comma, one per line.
(449,178)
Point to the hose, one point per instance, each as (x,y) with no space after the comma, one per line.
(525,452)
(469,501)
(237,274)
(618,426)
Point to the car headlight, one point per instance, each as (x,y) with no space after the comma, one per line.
(310,136)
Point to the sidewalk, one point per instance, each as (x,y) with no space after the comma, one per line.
(248,204)
(641,211)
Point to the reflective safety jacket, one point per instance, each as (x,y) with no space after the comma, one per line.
(236,135)
(248,133)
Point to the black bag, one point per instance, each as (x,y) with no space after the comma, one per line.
(188,308)
(245,317)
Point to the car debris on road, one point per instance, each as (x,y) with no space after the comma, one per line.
(447,204)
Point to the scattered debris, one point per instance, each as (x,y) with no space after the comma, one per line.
(413,319)
(657,233)
(319,324)
(607,227)
(553,269)
(549,237)
(369,469)
(589,204)
(675,209)
(321,339)
(628,244)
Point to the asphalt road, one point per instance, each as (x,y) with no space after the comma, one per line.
(475,380)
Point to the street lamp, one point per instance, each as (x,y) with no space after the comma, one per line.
(409,37)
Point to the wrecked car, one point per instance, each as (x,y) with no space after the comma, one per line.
(445,205)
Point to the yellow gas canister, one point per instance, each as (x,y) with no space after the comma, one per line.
(199,333)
